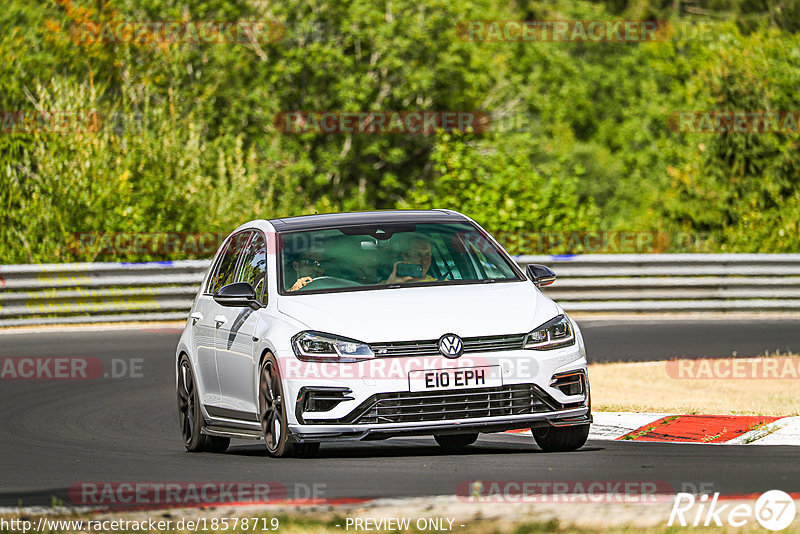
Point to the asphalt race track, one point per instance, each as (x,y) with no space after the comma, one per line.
(637,340)
(58,433)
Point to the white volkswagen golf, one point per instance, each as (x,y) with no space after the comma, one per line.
(365,326)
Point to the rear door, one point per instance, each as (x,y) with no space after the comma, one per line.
(204,337)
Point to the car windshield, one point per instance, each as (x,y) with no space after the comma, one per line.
(380,256)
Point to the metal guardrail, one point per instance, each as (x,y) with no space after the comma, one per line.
(636,283)
(625,283)
(98,292)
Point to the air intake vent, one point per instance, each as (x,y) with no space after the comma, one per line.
(571,383)
(410,407)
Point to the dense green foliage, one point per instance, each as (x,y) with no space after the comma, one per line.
(580,142)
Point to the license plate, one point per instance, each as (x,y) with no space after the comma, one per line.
(458,378)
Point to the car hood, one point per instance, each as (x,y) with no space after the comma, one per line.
(421,313)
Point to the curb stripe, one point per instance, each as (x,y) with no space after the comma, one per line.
(698,428)
(702,429)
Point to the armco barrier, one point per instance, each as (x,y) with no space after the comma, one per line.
(625,283)
(635,283)
(98,292)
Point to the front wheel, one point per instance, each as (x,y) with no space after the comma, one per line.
(561,439)
(455,441)
(272,414)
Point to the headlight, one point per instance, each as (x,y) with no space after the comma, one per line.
(321,347)
(553,334)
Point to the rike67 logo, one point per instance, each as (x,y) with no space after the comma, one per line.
(774,510)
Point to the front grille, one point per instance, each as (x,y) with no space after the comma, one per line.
(487,343)
(431,347)
(413,407)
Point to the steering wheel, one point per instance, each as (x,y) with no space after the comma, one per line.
(329,282)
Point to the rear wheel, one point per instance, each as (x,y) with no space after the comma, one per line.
(455,441)
(190,417)
(272,414)
(561,439)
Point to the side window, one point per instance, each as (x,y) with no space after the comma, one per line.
(227,264)
(254,264)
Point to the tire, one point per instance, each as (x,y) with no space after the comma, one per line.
(272,415)
(455,441)
(561,439)
(190,417)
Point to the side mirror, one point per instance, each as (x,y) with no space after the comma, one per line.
(540,275)
(237,295)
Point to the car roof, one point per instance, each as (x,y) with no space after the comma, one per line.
(338,220)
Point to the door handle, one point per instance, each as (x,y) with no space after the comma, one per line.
(220,319)
(196,316)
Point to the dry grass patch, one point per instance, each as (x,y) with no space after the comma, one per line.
(721,386)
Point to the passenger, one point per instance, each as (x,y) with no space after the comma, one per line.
(418,253)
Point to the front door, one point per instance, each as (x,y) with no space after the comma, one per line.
(235,345)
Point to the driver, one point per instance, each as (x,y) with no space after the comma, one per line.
(418,253)
(307,267)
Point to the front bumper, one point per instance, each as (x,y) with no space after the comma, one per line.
(362,389)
